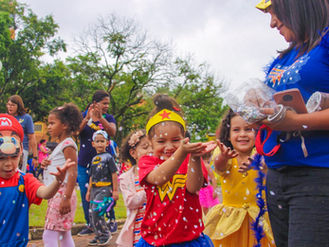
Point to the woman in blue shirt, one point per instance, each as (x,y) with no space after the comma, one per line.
(94,118)
(298,176)
(15,107)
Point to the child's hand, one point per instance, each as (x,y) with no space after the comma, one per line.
(189,147)
(208,147)
(227,152)
(61,171)
(88,196)
(214,194)
(45,163)
(115,195)
(65,205)
(245,166)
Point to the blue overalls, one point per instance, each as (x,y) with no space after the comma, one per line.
(14,215)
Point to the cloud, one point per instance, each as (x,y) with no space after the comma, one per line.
(233,37)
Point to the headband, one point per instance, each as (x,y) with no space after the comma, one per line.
(162,116)
(100,132)
(135,138)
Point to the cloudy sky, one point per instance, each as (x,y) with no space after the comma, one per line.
(231,36)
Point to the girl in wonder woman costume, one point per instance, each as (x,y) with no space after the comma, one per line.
(171,178)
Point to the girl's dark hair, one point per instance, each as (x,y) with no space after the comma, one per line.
(69,114)
(99,95)
(223,132)
(16,99)
(125,148)
(163,101)
(42,141)
(307,19)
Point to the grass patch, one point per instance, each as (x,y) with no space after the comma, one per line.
(38,213)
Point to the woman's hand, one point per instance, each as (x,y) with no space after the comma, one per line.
(97,111)
(88,196)
(288,123)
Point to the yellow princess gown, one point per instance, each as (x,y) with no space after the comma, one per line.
(229,224)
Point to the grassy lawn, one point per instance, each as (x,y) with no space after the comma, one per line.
(37,213)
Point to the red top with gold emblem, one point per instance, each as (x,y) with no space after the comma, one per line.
(173,215)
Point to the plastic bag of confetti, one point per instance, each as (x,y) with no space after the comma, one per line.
(248,100)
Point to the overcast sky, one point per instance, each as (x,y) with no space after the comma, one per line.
(232,36)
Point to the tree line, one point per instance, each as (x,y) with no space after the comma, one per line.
(115,55)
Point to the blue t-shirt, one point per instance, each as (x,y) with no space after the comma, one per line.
(87,152)
(309,73)
(28,127)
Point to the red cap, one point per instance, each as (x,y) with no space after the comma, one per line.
(8,122)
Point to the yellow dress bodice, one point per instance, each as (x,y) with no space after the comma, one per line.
(239,200)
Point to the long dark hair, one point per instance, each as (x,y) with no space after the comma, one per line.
(307,19)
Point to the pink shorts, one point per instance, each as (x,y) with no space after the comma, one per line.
(206,197)
(54,220)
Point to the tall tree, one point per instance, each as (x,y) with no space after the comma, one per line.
(28,40)
(117,56)
(199,96)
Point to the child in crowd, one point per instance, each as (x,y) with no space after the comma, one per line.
(229,224)
(103,185)
(134,146)
(62,123)
(19,190)
(43,154)
(172,178)
(208,194)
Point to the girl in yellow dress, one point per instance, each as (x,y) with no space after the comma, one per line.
(229,224)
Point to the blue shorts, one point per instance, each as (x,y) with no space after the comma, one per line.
(202,241)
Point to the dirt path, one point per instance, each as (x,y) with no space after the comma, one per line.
(79,241)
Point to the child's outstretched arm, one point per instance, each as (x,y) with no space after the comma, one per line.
(168,168)
(47,192)
(195,177)
(226,154)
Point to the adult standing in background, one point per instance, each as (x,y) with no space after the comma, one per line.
(94,118)
(15,107)
(298,174)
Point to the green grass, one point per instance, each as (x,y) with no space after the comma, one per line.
(38,213)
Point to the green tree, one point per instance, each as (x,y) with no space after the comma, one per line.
(199,95)
(28,41)
(115,55)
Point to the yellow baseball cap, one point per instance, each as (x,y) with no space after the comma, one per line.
(264,4)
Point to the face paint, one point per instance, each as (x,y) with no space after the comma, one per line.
(9,146)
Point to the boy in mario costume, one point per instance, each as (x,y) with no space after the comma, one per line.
(18,190)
